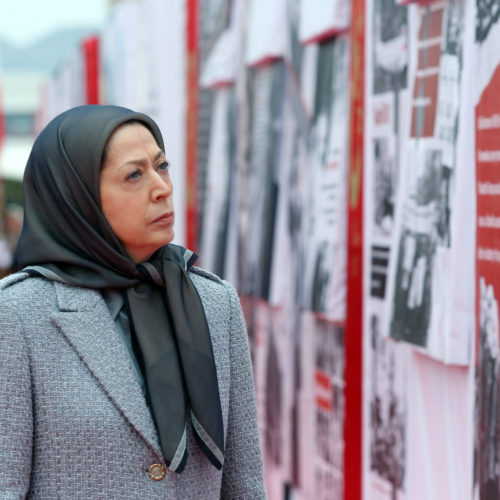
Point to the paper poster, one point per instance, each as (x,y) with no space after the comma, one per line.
(419,276)
(326,206)
(322,408)
(266,31)
(320,18)
(257,223)
(387,433)
(221,65)
(387,104)
(220,173)
(386,367)
(275,374)
(291,175)
(440,438)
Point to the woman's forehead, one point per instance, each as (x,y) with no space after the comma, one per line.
(130,142)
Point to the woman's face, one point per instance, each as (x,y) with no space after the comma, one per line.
(136,191)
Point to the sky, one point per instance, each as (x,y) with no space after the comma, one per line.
(25,21)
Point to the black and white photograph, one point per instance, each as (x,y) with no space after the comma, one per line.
(275,380)
(257,236)
(219,182)
(291,179)
(322,407)
(416,251)
(385,179)
(487,452)
(325,215)
(387,411)
(390,46)
(423,237)
(421,269)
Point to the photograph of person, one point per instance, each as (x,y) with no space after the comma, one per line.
(417,248)
(124,370)
(266,84)
(388,416)
(487,456)
(325,208)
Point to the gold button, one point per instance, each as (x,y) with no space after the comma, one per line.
(156,472)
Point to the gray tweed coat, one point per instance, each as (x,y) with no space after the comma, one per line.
(73,420)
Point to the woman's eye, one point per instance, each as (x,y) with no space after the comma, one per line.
(134,175)
(163,166)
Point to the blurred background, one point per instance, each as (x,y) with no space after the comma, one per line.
(37,39)
(336,161)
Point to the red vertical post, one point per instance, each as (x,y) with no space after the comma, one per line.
(353,427)
(192,60)
(90,47)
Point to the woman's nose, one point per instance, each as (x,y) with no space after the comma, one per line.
(161,186)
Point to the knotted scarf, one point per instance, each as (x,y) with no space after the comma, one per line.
(66,238)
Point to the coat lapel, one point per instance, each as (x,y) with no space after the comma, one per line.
(84,320)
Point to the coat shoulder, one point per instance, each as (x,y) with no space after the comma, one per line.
(215,293)
(198,271)
(206,281)
(21,289)
(12,279)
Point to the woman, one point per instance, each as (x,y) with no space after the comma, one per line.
(124,370)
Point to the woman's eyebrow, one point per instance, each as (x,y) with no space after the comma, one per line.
(159,155)
(142,161)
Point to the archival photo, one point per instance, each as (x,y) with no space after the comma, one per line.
(387,413)
(390,46)
(325,223)
(487,442)
(323,407)
(219,182)
(423,245)
(257,234)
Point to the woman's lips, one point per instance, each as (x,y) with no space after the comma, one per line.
(165,219)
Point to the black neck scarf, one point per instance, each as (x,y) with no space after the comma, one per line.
(66,238)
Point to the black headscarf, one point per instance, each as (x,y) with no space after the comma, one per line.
(66,238)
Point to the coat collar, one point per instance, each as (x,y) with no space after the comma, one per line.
(86,323)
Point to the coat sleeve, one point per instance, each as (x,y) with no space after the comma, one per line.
(242,476)
(16,415)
